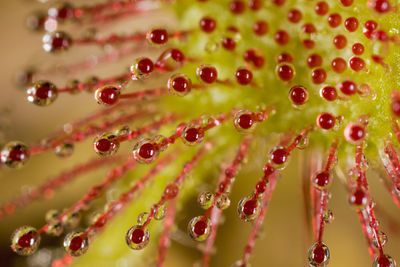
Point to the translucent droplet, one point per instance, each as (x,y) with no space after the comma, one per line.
(328,216)
(71,220)
(322,180)
(25,240)
(382,239)
(141,68)
(192,135)
(56,42)
(211,46)
(170,60)
(358,198)
(248,209)
(95,219)
(384,261)
(142,218)
(137,237)
(76,243)
(91,83)
(244,121)
(206,199)
(179,84)
(42,93)
(64,150)
(106,144)
(303,143)
(199,228)
(159,211)
(318,255)
(54,228)
(73,85)
(52,215)
(14,154)
(145,151)
(122,131)
(279,157)
(223,201)
(107,95)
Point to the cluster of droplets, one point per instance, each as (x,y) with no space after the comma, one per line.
(111,92)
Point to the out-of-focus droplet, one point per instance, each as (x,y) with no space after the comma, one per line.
(25,240)
(14,154)
(206,199)
(137,237)
(248,209)
(223,201)
(318,255)
(76,244)
(199,228)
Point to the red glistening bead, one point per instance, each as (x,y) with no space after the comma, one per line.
(334,20)
(145,65)
(322,179)
(200,227)
(279,2)
(351,24)
(354,132)
(137,236)
(243,76)
(338,65)
(26,240)
(171,191)
(192,135)
(329,93)
(284,57)
(147,150)
(255,5)
(207,74)
(260,27)
(237,6)
(358,49)
(282,37)
(321,8)
(76,243)
(340,41)
(326,121)
(107,95)
(314,60)
(348,88)
(358,197)
(356,63)
(228,43)
(380,6)
(250,207)
(245,121)
(294,15)
(318,76)
(261,187)
(279,156)
(158,36)
(285,72)
(347,3)
(208,24)
(298,95)
(308,28)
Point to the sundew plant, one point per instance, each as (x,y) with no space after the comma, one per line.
(217,96)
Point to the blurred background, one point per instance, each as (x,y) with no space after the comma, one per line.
(285,237)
